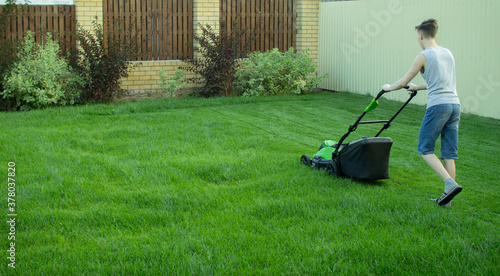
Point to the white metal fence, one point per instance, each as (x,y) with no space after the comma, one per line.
(364,44)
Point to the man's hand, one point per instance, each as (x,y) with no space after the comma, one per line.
(412,87)
(386,87)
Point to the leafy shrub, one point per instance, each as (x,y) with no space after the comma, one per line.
(40,78)
(219,57)
(103,59)
(175,83)
(276,73)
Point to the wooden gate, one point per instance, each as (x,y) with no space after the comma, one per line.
(165,27)
(276,21)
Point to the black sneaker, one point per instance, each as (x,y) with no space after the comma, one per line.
(436,200)
(447,197)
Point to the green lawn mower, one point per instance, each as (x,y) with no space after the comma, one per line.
(367,158)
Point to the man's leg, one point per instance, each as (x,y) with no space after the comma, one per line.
(447,174)
(435,123)
(449,150)
(433,161)
(449,165)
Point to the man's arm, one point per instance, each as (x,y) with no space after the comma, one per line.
(414,87)
(416,66)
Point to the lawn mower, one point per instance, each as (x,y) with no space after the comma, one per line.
(366,158)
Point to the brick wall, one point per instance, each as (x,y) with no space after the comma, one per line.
(308,27)
(206,12)
(87,10)
(144,78)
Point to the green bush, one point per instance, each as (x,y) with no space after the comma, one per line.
(220,52)
(276,73)
(40,77)
(176,82)
(102,59)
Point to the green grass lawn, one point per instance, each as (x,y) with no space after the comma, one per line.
(214,187)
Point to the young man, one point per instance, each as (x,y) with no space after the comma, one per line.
(437,66)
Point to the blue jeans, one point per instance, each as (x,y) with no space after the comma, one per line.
(440,120)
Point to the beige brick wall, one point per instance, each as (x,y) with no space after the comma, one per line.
(87,10)
(206,12)
(145,77)
(308,27)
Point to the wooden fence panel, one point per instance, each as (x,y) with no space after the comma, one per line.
(41,19)
(275,21)
(164,27)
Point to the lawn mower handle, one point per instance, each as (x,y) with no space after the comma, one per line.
(386,125)
(382,92)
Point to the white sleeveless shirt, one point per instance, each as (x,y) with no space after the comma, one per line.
(440,77)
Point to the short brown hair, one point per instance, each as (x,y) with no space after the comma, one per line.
(428,28)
